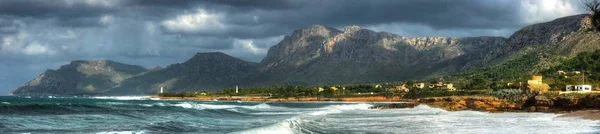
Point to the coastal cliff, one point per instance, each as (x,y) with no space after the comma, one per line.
(470,103)
(561,104)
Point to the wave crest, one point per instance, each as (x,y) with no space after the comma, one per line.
(294,125)
(189,105)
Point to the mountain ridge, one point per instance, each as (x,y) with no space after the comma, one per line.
(321,55)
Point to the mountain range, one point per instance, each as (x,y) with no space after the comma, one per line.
(321,55)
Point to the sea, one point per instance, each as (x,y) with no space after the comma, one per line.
(138,115)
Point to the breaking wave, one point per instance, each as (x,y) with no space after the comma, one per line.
(295,124)
(124,97)
(210,106)
(89,115)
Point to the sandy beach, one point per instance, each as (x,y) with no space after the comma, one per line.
(586,114)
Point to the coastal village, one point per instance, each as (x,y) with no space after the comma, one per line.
(533,85)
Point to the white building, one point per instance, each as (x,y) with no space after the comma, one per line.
(585,88)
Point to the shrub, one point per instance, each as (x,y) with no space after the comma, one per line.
(509,94)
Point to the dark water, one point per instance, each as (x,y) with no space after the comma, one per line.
(93,115)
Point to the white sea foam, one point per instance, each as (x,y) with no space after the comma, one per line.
(424,119)
(278,128)
(146,105)
(291,126)
(124,97)
(122,132)
(211,106)
(340,108)
(6,103)
(116,103)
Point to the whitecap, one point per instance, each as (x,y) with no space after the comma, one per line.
(116,103)
(285,127)
(122,132)
(211,106)
(340,108)
(124,97)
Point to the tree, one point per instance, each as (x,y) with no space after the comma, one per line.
(593,6)
(479,83)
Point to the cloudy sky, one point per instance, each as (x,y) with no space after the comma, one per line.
(36,35)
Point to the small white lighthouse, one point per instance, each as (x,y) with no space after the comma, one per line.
(237,90)
(161,90)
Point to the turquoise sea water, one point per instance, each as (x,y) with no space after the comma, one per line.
(138,115)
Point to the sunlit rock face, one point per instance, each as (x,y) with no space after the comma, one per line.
(318,54)
(322,55)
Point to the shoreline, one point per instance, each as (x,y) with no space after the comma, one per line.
(584,114)
(304,99)
(451,103)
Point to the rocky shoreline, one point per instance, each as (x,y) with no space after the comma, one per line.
(586,107)
(528,104)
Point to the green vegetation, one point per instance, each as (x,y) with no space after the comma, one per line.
(497,76)
(423,93)
(588,63)
(513,70)
(509,94)
(298,91)
(487,81)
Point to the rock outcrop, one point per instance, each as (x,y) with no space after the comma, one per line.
(559,104)
(492,104)
(396,105)
(470,103)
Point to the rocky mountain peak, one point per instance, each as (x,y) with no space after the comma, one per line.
(352,29)
(156,68)
(210,57)
(80,77)
(315,30)
(321,55)
(550,32)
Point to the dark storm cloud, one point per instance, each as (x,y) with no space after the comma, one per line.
(53,8)
(39,34)
(237,4)
(436,13)
(67,13)
(7,27)
(266,18)
(79,22)
(251,19)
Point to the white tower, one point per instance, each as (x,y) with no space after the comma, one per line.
(161,90)
(237,90)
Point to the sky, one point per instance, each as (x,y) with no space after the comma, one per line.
(36,35)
